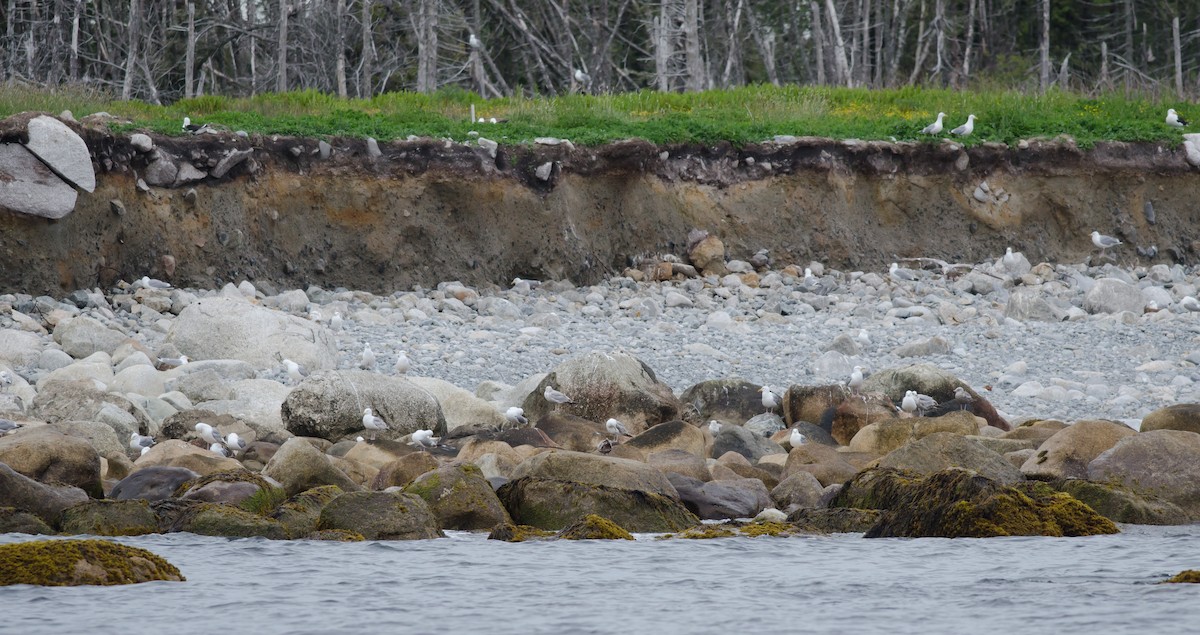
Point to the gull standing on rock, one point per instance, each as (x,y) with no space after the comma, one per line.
(935,127)
(402,364)
(770,400)
(1104,242)
(8,425)
(1189,303)
(1174,120)
(294,370)
(899,273)
(925,403)
(1010,259)
(219,448)
(909,403)
(965,129)
(373,423)
(335,322)
(616,428)
(516,416)
(210,434)
(796,439)
(140,443)
(236,444)
(367,361)
(714,427)
(962,398)
(856,380)
(555,397)
(423,439)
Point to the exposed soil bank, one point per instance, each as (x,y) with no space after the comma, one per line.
(427,211)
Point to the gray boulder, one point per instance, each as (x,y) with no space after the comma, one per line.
(944,450)
(744,442)
(1162,463)
(380,516)
(730,400)
(1029,304)
(152,483)
(232,328)
(801,489)
(1109,295)
(460,498)
(298,466)
(29,187)
(83,336)
(330,405)
(62,150)
(717,500)
(44,501)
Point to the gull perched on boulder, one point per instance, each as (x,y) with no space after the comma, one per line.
(617,428)
(373,423)
(403,364)
(8,425)
(555,397)
(219,448)
(516,416)
(294,370)
(770,400)
(935,127)
(150,283)
(210,434)
(1010,259)
(714,427)
(909,403)
(140,443)
(965,129)
(236,444)
(367,360)
(856,380)
(795,439)
(1174,120)
(424,439)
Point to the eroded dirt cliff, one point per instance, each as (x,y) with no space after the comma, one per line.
(427,210)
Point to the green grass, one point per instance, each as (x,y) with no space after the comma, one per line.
(742,115)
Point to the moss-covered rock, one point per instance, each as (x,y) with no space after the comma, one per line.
(299,514)
(460,497)
(336,535)
(213,519)
(593,527)
(704,532)
(835,521)
(110,518)
(1123,505)
(753,529)
(381,516)
(509,532)
(1190,576)
(79,562)
(229,487)
(13,521)
(960,503)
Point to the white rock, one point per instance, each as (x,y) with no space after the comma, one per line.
(141,142)
(29,187)
(65,152)
(227,328)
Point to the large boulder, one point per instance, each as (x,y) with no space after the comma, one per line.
(380,516)
(568,432)
(714,500)
(404,470)
(45,501)
(1162,463)
(680,462)
(737,439)
(214,519)
(110,518)
(1181,416)
(231,328)
(829,466)
(176,453)
(459,406)
(62,150)
(956,503)
(13,521)
(460,497)
(607,385)
(813,404)
(29,187)
(935,382)
(731,400)
(19,348)
(1122,505)
(882,437)
(801,489)
(81,562)
(83,401)
(82,336)
(101,436)
(330,405)
(943,450)
(152,483)
(300,513)
(49,456)
(1068,453)
(1109,295)
(853,415)
(672,435)
(298,466)
(552,489)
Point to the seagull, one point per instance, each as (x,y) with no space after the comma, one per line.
(796,439)
(192,128)
(856,380)
(8,425)
(150,283)
(294,370)
(1010,259)
(935,127)
(402,363)
(1174,120)
(359,439)
(171,362)
(1189,303)
(553,396)
(909,403)
(899,273)
(962,398)
(714,427)
(423,439)
(616,428)
(516,416)
(335,322)
(139,442)
(6,379)
(582,77)
(367,361)
(965,129)
(1104,242)
(236,444)
(219,449)
(925,403)
(770,400)
(373,423)
(210,434)
(474,41)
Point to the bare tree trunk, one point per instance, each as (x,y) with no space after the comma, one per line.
(340,42)
(966,67)
(922,46)
(1178,57)
(939,23)
(764,38)
(131,54)
(818,32)
(864,39)
(427,44)
(898,37)
(75,41)
(660,26)
(253,67)
(841,68)
(697,78)
(733,44)
(1045,47)
(190,58)
(366,88)
(880,8)
(281,81)
(1104,83)
(10,26)
(1129,51)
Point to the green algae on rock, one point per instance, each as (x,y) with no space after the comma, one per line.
(299,514)
(110,518)
(81,562)
(959,503)
(214,519)
(509,532)
(1189,576)
(593,527)
(14,521)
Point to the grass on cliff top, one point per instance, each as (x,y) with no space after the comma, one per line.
(743,115)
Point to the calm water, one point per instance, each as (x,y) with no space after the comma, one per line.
(465,584)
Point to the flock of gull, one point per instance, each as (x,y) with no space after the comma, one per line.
(935,128)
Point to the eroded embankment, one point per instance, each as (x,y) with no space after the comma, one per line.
(427,210)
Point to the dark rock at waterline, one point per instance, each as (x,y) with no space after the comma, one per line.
(1120,504)
(300,513)
(836,521)
(960,503)
(381,516)
(81,562)
(935,382)
(152,483)
(733,400)
(110,518)
(718,500)
(45,501)
(460,497)
(214,519)
(14,521)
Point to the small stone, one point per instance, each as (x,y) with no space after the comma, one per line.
(489,145)
(141,142)
(373,148)
(543,171)
(324,149)
(117,207)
